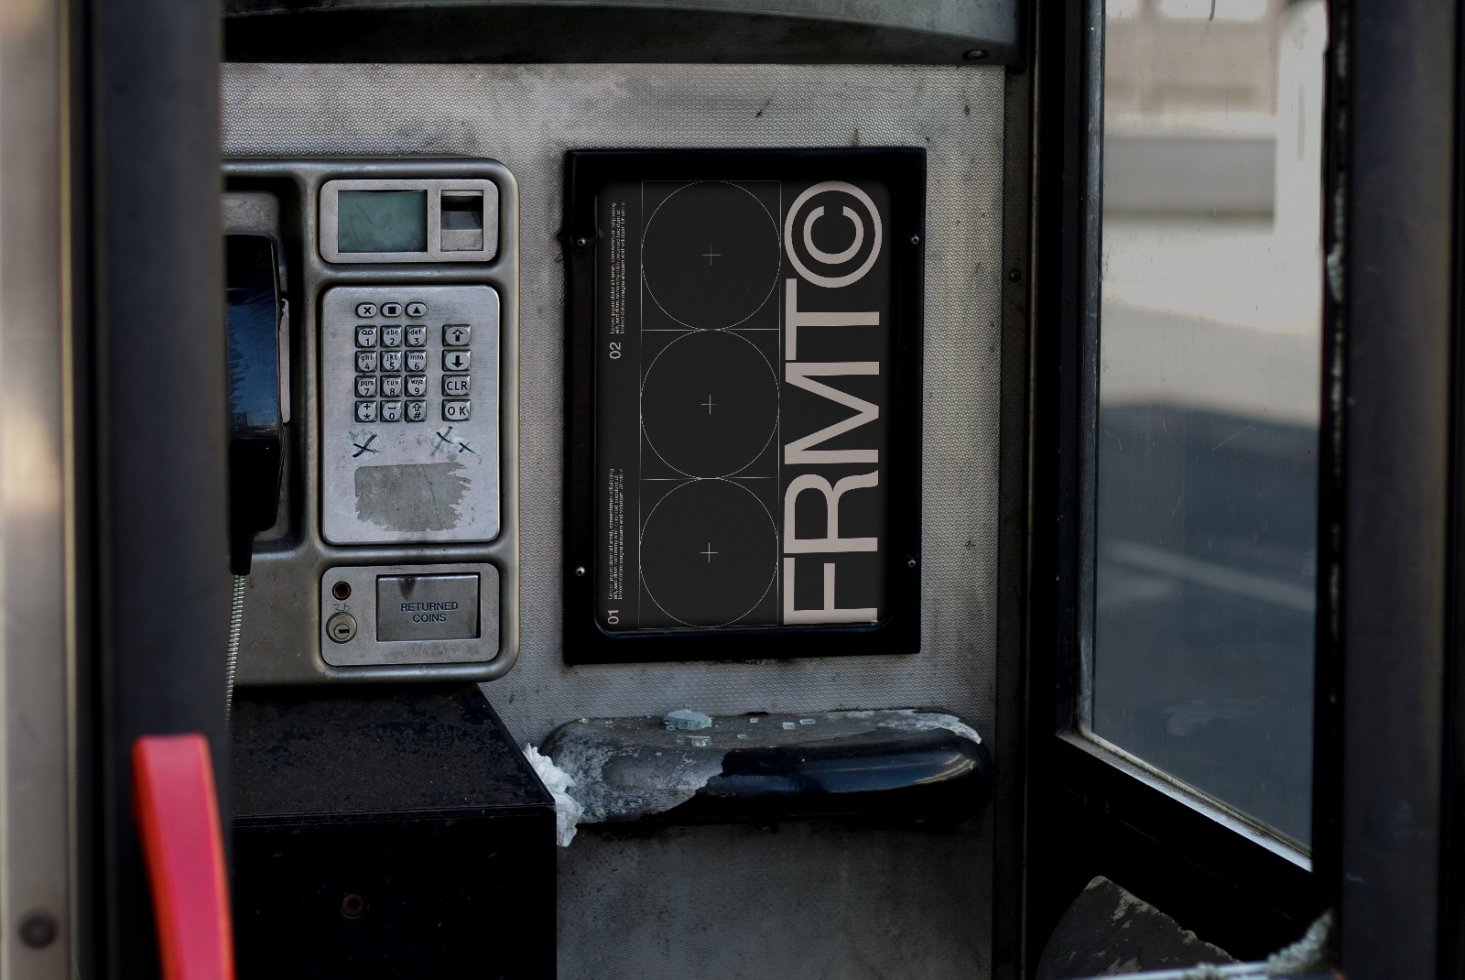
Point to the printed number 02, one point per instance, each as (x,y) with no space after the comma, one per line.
(615,349)
(611,617)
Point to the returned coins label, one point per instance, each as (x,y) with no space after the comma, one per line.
(427,607)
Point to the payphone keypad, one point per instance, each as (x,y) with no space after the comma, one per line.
(410,376)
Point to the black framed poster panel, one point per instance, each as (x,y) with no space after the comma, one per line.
(743,399)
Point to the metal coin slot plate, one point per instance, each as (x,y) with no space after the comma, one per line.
(381,636)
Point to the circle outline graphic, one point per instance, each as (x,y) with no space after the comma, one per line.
(832,282)
(641,542)
(646,282)
(641,399)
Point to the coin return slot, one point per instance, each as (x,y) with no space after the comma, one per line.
(462,221)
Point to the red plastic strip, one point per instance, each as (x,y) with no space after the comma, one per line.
(177,812)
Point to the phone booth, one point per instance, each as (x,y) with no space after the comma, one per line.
(705,489)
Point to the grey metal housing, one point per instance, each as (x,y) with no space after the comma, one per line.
(282,632)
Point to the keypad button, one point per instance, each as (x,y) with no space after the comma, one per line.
(392,386)
(392,336)
(416,310)
(391,360)
(456,384)
(366,335)
(365,361)
(391,411)
(366,411)
(366,386)
(366,310)
(391,309)
(456,411)
(417,411)
(416,385)
(417,360)
(456,334)
(416,334)
(455,360)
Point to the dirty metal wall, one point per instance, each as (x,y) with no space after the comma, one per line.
(806,900)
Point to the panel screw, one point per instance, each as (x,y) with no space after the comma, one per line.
(910,563)
(580,571)
(975,54)
(1014,276)
(352,905)
(915,239)
(38,930)
(581,242)
(341,590)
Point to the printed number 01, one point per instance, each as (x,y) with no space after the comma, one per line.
(611,618)
(615,349)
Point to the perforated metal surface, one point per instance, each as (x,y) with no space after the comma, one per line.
(527,117)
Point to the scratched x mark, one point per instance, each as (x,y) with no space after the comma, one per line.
(447,442)
(367,445)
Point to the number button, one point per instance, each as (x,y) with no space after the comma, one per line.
(391,360)
(366,335)
(455,360)
(456,411)
(417,411)
(366,310)
(416,385)
(366,411)
(416,334)
(416,310)
(366,386)
(417,360)
(365,361)
(456,334)
(391,411)
(391,309)
(392,336)
(456,384)
(392,386)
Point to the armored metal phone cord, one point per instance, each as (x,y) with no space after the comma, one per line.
(236,625)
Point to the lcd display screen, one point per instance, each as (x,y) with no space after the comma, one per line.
(381,221)
(743,396)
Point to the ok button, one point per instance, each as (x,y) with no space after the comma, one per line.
(455,360)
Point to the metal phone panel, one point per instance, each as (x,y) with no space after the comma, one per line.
(528,116)
(409,418)
(283,620)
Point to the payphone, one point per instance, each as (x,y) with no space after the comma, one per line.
(396,555)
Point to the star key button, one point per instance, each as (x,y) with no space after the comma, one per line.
(455,360)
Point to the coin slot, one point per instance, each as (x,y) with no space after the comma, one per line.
(462,221)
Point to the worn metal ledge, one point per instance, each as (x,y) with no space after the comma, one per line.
(767,768)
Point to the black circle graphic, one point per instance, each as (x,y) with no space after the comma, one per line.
(710,255)
(709,552)
(709,403)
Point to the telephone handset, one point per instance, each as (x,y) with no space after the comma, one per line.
(256,410)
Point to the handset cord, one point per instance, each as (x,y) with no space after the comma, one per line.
(236,626)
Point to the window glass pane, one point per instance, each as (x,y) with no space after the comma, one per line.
(1210,367)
